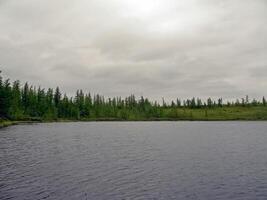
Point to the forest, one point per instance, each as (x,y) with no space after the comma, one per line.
(24,102)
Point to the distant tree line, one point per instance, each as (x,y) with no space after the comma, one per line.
(18,102)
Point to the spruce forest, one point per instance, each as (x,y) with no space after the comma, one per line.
(23,102)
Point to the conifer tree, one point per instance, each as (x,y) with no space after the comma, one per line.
(57,97)
(263,101)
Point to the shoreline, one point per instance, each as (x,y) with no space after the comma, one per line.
(7,123)
(4,124)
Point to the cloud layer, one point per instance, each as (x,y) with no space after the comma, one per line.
(154,48)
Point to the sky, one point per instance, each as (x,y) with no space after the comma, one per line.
(155,48)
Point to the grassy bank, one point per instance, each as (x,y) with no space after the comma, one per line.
(7,123)
(223,113)
(170,114)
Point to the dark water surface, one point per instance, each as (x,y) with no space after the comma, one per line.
(134,160)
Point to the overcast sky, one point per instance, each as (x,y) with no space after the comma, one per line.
(170,48)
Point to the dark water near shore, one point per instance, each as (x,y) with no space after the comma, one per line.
(134,160)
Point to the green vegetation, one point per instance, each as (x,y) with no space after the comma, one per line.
(28,103)
(4,123)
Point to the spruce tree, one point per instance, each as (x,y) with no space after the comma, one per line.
(263,101)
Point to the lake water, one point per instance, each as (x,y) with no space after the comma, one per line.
(134,160)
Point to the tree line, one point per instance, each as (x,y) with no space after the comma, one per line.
(20,102)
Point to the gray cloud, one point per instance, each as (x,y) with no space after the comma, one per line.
(153,48)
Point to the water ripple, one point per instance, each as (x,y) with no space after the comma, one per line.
(152,160)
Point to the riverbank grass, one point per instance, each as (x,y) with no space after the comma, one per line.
(5,123)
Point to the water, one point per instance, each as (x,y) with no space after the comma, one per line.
(134,160)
